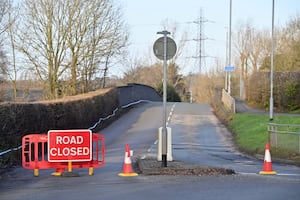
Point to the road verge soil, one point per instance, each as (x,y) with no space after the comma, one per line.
(151,166)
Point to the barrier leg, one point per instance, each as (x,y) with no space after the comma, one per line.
(58,172)
(69,166)
(36,172)
(91,171)
(70,172)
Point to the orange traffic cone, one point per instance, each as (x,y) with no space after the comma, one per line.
(267,169)
(127,168)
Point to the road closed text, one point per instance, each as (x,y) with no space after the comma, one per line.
(69,147)
(69,151)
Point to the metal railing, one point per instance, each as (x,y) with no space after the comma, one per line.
(284,136)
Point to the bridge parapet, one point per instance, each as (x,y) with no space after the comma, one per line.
(228,101)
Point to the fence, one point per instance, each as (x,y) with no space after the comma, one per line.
(35,154)
(284,136)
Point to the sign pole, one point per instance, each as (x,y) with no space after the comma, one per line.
(164,127)
(164,49)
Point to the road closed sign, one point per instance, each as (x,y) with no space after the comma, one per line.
(69,145)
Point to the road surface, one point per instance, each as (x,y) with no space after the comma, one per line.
(198,137)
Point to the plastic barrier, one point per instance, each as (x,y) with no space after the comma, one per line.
(35,155)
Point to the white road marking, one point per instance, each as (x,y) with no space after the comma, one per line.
(288,174)
(278,174)
(168,121)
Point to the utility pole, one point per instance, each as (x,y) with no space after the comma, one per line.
(200,40)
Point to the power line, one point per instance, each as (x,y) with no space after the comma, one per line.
(200,50)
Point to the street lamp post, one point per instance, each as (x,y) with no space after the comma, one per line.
(272,66)
(229,48)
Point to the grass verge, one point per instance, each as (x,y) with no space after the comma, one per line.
(250,133)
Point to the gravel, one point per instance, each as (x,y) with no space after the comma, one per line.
(154,167)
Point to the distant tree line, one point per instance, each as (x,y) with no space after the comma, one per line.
(64,43)
(251,55)
(253,49)
(286,90)
(69,45)
(253,63)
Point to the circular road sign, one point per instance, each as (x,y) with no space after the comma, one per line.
(158,48)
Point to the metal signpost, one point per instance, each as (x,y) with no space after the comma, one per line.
(164,49)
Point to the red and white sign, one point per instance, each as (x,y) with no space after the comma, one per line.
(69,145)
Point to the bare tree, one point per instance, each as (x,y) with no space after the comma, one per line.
(12,29)
(115,47)
(110,40)
(141,73)
(243,45)
(69,40)
(251,46)
(95,38)
(291,37)
(3,65)
(4,8)
(42,40)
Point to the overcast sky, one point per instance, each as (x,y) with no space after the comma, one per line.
(145,19)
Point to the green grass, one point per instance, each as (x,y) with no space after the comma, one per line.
(250,131)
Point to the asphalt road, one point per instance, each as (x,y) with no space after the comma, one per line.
(198,137)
